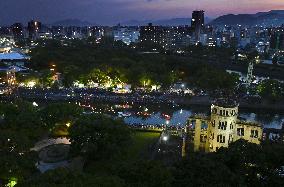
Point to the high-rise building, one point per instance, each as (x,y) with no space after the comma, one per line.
(153,34)
(277,40)
(96,32)
(126,34)
(244,33)
(197,23)
(17,30)
(177,37)
(34,28)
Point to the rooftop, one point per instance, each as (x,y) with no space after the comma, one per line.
(249,123)
(12,56)
(200,116)
(225,102)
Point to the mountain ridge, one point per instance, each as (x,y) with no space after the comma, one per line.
(272,17)
(72,22)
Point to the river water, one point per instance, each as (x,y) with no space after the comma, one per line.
(166,114)
(177,116)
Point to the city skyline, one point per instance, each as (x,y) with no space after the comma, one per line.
(109,12)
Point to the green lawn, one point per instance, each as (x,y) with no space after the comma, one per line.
(138,149)
(142,140)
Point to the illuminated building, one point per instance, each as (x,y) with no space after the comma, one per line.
(96,33)
(211,42)
(11,77)
(223,127)
(34,28)
(17,30)
(153,34)
(73,32)
(244,33)
(177,37)
(126,34)
(277,40)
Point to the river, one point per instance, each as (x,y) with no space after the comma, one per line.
(177,116)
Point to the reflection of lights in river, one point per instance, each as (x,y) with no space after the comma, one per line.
(180,111)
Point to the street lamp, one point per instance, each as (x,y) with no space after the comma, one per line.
(165,138)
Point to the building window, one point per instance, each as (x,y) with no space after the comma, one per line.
(221,139)
(204,125)
(212,136)
(222,125)
(254,134)
(231,126)
(231,139)
(203,138)
(240,132)
(213,123)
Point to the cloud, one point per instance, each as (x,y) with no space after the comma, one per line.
(114,11)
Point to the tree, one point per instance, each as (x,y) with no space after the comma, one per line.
(209,78)
(20,128)
(61,113)
(22,117)
(17,166)
(98,137)
(144,173)
(253,163)
(201,170)
(271,89)
(62,177)
(244,159)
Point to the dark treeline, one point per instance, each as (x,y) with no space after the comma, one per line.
(108,149)
(84,61)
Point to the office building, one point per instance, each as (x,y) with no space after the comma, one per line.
(277,40)
(153,34)
(17,30)
(197,23)
(34,28)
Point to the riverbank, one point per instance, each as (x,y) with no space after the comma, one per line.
(93,95)
(206,102)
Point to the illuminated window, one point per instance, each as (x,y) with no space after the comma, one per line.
(254,134)
(240,131)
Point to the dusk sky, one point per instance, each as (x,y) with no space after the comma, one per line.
(114,11)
